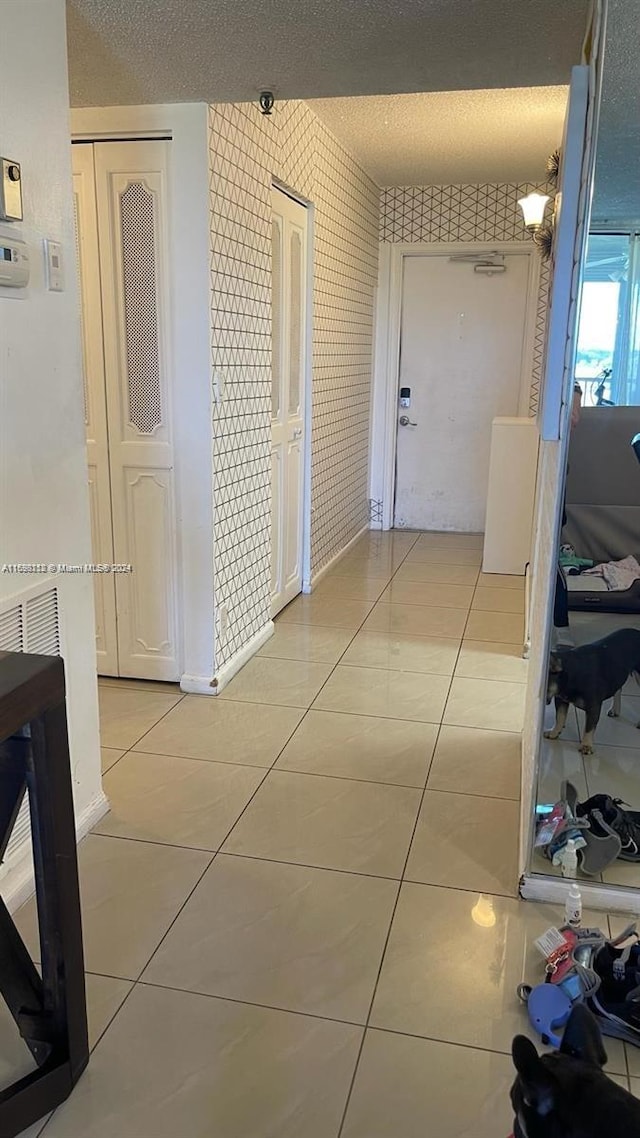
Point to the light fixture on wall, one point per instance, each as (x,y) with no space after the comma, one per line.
(533,207)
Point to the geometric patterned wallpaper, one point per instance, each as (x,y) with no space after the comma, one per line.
(485,212)
(247,150)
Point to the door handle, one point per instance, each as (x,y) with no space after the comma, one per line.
(297,434)
(405,421)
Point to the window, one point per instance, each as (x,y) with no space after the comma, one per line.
(608,355)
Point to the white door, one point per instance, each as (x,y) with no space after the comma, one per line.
(289,322)
(95,409)
(130,198)
(463,348)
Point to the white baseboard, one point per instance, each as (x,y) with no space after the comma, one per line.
(309,585)
(196,685)
(18,885)
(605,898)
(233,666)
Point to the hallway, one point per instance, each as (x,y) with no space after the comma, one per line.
(300,915)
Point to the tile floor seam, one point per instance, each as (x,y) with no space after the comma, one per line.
(401,671)
(268,771)
(175,918)
(334,666)
(150,729)
(365,1028)
(225,839)
(404,877)
(198,759)
(355,778)
(395,907)
(469,793)
(97,1041)
(245,1003)
(311,865)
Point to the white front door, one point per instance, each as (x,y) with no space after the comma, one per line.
(463,347)
(289,323)
(132,393)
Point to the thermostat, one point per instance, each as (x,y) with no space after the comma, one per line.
(10,190)
(14,263)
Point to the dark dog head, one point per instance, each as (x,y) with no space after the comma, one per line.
(545,1095)
(555,669)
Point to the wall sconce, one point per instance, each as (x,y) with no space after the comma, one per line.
(533,213)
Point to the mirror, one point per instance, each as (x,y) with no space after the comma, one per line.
(589,763)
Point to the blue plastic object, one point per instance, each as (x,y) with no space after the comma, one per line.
(548,1007)
(572,987)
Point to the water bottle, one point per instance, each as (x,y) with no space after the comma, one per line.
(569,859)
(573,907)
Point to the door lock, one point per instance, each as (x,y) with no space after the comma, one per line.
(405,421)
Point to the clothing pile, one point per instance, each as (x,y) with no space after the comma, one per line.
(583,965)
(616,575)
(601,831)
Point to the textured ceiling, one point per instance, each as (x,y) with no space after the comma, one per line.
(450,136)
(617,184)
(153,51)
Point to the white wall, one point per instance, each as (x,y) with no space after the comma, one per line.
(44,507)
(189,334)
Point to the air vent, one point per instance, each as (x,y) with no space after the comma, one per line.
(42,625)
(30,625)
(12,630)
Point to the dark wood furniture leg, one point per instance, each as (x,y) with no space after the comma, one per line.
(50,1012)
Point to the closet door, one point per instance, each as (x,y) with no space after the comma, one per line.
(95,411)
(131,187)
(289,340)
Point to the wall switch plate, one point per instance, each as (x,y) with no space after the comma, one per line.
(53,263)
(217,387)
(223,621)
(10,190)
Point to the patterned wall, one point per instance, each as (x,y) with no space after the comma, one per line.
(487,212)
(247,150)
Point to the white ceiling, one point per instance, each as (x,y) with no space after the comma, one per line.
(154,51)
(450,136)
(617,181)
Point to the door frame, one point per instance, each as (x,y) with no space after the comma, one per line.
(387,352)
(307,378)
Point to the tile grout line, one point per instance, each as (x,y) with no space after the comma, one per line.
(267,771)
(212,859)
(393,914)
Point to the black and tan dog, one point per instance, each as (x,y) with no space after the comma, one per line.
(566,1094)
(589,675)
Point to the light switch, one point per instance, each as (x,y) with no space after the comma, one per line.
(218,387)
(53,260)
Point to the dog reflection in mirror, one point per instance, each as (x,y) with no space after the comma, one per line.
(589,675)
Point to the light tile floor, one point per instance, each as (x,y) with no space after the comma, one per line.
(300,915)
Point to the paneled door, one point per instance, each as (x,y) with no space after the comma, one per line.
(288,386)
(130,185)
